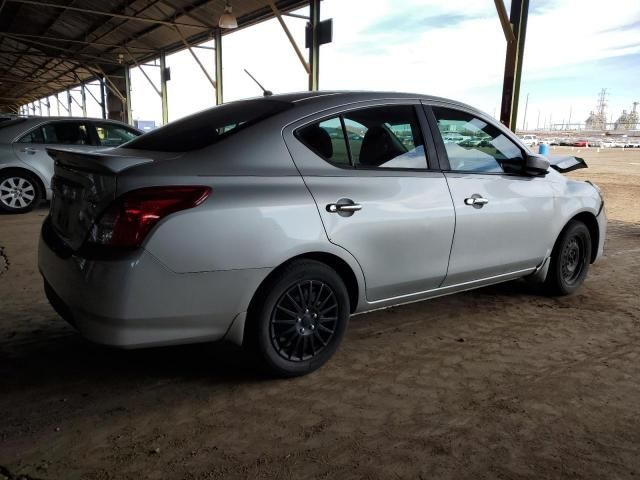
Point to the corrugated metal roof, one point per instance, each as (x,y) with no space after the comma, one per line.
(50,45)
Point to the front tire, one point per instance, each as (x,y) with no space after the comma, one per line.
(300,319)
(569,260)
(19,192)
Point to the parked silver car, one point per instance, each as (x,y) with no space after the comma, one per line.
(268,222)
(25,167)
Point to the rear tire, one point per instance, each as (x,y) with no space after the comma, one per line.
(569,260)
(20,191)
(299,319)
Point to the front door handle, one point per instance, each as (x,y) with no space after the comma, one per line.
(345,207)
(30,151)
(334,207)
(476,201)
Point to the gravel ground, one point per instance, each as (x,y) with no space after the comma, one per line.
(501,382)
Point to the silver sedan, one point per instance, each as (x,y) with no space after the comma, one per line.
(268,222)
(25,167)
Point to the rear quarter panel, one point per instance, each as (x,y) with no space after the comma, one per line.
(259,213)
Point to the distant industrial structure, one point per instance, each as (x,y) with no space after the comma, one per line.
(628,121)
(598,119)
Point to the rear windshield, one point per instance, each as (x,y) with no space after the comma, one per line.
(208,127)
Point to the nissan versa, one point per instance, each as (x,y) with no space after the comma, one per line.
(268,222)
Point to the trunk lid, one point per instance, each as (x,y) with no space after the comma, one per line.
(83,185)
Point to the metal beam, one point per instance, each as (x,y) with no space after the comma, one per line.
(103,98)
(219,82)
(504,21)
(276,12)
(81,42)
(143,72)
(513,60)
(314,51)
(163,89)
(108,14)
(195,57)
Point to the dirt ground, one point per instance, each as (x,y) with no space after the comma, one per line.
(501,382)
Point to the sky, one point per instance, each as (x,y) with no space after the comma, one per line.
(455,49)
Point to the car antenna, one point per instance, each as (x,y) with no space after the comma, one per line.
(265,92)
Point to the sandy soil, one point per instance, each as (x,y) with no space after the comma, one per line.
(497,383)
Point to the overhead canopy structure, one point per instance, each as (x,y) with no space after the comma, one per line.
(50,46)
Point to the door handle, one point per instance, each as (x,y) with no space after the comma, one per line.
(344,207)
(476,201)
(334,207)
(30,151)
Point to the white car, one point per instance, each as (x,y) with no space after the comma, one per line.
(530,140)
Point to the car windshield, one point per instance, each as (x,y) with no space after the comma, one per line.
(208,127)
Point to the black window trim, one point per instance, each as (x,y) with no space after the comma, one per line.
(443,157)
(430,150)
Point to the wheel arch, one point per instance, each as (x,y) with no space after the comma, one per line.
(342,268)
(590,221)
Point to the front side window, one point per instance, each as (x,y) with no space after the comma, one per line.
(474,145)
(377,137)
(111,135)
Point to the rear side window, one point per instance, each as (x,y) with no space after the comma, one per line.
(377,137)
(111,135)
(208,127)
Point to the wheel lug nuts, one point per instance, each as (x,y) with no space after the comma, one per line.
(313,327)
(299,319)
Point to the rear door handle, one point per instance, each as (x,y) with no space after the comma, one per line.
(30,151)
(476,201)
(345,207)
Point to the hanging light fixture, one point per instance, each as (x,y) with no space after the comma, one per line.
(228,19)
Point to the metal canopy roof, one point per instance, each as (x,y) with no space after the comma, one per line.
(52,45)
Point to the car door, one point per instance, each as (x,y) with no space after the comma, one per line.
(31,147)
(377,195)
(502,215)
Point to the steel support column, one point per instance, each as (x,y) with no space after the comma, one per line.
(69,103)
(314,51)
(103,99)
(83,93)
(127,100)
(218,72)
(513,61)
(163,89)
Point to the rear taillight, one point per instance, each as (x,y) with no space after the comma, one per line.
(128,220)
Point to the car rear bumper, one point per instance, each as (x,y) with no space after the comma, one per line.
(136,301)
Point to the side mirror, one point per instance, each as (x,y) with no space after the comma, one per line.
(536,165)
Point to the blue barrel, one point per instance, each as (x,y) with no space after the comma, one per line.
(543,149)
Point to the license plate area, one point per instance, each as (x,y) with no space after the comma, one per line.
(66,203)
